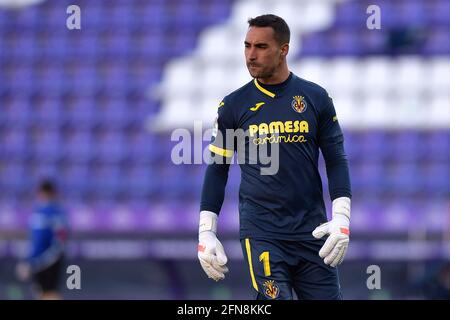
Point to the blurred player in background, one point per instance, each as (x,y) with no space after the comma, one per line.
(283,218)
(48,234)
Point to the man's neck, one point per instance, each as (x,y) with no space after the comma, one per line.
(277,77)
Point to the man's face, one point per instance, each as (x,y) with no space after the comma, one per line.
(263,54)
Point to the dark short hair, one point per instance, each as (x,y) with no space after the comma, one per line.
(279,26)
(47,186)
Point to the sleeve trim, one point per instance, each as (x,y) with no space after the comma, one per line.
(220,151)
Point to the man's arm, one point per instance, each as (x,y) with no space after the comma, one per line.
(39,240)
(211,253)
(331,142)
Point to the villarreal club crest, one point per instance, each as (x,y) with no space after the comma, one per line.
(271,289)
(299,104)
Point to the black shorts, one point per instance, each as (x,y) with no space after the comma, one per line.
(279,267)
(48,278)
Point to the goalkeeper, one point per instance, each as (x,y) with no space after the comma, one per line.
(286,239)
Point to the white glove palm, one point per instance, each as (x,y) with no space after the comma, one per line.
(211,253)
(334,249)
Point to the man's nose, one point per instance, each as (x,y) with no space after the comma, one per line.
(251,55)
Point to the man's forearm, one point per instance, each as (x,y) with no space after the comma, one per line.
(337,170)
(213,191)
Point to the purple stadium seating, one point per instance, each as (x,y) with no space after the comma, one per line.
(73,105)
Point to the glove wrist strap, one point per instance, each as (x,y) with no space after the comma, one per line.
(341,209)
(208,222)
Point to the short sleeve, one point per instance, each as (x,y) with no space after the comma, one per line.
(223,125)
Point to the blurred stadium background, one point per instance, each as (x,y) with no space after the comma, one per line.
(94,109)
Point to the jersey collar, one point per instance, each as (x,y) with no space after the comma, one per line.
(272,88)
(267,92)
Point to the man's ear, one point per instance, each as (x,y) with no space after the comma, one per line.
(285,49)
